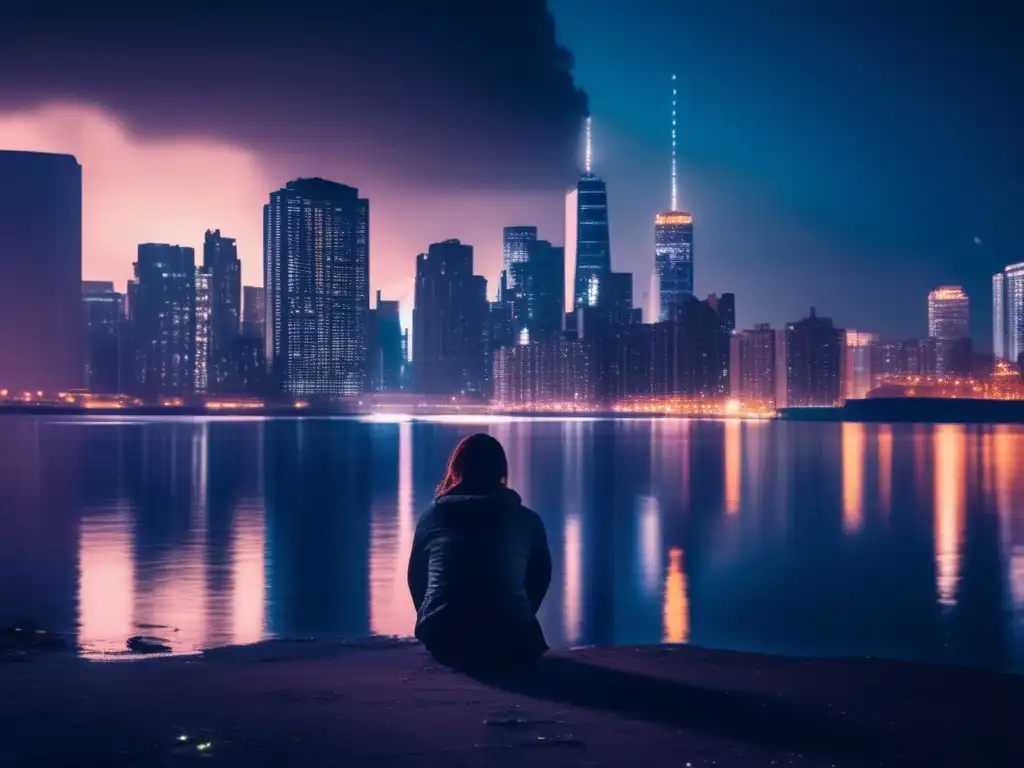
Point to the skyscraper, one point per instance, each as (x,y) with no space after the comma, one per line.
(949,325)
(516,243)
(42,338)
(104,322)
(385,347)
(1008,313)
(450,323)
(948,313)
(316,271)
(220,261)
(537,289)
(593,245)
(254,308)
(673,245)
(206,362)
(164,319)
(814,355)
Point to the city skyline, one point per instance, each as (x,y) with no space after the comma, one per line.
(775,194)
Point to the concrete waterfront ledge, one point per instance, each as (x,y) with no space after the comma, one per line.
(380,702)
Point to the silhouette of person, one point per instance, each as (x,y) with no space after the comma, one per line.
(480,565)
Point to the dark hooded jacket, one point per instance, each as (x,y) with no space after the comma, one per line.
(478,571)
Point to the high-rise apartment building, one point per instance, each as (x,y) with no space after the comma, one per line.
(220,261)
(752,365)
(450,323)
(103,308)
(316,272)
(814,352)
(857,378)
(206,361)
(1008,313)
(516,243)
(254,309)
(164,319)
(42,338)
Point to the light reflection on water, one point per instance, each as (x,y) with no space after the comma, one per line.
(809,539)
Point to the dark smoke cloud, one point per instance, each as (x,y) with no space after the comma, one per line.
(457,93)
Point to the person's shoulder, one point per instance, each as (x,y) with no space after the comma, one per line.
(534,519)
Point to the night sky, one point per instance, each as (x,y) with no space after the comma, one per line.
(850,155)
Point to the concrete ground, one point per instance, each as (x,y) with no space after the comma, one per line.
(384,703)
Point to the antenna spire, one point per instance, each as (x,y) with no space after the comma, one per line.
(588,151)
(675,192)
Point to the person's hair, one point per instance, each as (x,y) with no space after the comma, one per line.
(478,462)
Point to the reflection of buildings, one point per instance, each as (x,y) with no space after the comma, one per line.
(733,464)
(677,604)
(391,532)
(318,527)
(853,476)
(950,507)
(40,464)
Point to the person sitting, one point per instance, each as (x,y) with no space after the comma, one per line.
(479,566)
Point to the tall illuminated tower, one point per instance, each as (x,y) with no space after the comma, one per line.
(1008,313)
(593,252)
(673,245)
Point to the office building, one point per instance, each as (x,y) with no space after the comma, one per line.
(450,323)
(385,359)
(752,365)
(254,307)
(948,313)
(673,260)
(536,289)
(164,319)
(42,337)
(206,361)
(516,244)
(103,308)
(814,349)
(1008,313)
(316,272)
(220,262)
(673,246)
(593,252)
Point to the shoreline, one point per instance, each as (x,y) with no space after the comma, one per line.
(385,701)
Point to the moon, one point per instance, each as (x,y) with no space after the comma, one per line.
(977,240)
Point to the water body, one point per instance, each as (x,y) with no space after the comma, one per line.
(812,539)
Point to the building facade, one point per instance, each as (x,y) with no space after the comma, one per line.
(536,289)
(316,272)
(593,244)
(516,243)
(385,359)
(673,261)
(220,262)
(103,308)
(1008,313)
(949,315)
(42,336)
(814,351)
(450,322)
(752,365)
(254,309)
(206,362)
(164,320)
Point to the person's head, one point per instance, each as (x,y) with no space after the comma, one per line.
(477,462)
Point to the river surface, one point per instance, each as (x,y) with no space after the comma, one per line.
(902,541)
